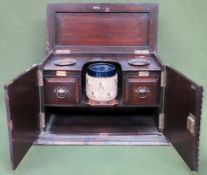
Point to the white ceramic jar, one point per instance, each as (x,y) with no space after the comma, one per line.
(101,82)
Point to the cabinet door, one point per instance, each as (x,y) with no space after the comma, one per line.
(22,103)
(182,108)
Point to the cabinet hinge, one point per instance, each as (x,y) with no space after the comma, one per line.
(42,119)
(40,77)
(62,51)
(161,121)
(10,125)
(163,79)
(141,52)
(191,123)
(47,46)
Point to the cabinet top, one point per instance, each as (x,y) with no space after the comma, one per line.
(102,28)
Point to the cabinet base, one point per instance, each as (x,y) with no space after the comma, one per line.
(53,139)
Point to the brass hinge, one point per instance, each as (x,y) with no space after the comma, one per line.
(62,51)
(141,52)
(40,77)
(42,119)
(47,46)
(163,79)
(10,125)
(191,123)
(161,121)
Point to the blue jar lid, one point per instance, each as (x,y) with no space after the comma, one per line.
(101,70)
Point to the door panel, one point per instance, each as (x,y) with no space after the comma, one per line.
(182,108)
(22,103)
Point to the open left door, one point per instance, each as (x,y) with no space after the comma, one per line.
(182,108)
(22,103)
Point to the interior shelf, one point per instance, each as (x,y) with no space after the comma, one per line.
(101,126)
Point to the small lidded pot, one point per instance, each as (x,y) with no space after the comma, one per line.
(101,82)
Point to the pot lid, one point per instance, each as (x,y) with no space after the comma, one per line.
(101,70)
(139,62)
(65,62)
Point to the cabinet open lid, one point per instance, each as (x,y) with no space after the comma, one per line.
(102,28)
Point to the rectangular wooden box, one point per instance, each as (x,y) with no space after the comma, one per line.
(155,105)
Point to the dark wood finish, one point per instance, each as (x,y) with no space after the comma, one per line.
(121,59)
(101,126)
(110,33)
(182,97)
(121,63)
(70,84)
(87,121)
(76,25)
(132,86)
(102,29)
(107,125)
(22,102)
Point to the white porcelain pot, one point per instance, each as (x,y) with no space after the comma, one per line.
(101,88)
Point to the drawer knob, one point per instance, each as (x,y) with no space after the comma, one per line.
(142,92)
(61,92)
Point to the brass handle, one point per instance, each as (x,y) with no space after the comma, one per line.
(61,92)
(142,92)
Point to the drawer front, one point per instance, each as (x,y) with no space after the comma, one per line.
(141,91)
(61,91)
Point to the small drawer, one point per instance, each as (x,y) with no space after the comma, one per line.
(141,91)
(61,91)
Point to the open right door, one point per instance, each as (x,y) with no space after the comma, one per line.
(182,108)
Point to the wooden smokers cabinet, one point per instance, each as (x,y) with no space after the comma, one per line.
(154,105)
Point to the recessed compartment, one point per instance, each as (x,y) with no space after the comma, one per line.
(101,82)
(106,84)
(61,91)
(141,91)
(94,126)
